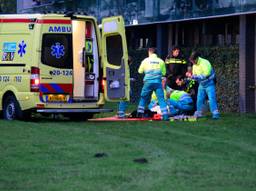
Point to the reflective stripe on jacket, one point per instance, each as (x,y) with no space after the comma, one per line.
(175,61)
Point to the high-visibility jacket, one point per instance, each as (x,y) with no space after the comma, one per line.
(202,69)
(154,69)
(176,69)
(189,85)
(177,95)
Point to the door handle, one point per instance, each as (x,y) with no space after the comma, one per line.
(84,58)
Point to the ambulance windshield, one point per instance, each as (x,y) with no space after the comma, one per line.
(57,50)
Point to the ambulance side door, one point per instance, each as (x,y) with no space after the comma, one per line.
(115,60)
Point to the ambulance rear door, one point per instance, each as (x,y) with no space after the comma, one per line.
(115,59)
(56,60)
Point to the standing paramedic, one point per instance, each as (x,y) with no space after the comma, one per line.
(154,69)
(203,72)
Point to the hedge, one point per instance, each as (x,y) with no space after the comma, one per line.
(225,61)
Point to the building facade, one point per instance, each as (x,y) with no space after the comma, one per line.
(187,23)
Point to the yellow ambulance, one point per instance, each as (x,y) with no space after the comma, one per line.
(53,63)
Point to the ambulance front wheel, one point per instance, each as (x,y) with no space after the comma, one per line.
(11,108)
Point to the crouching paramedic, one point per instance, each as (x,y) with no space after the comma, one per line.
(180,102)
(154,69)
(204,74)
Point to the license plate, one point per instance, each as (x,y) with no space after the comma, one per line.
(57,98)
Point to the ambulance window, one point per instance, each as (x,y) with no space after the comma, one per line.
(114,50)
(57,50)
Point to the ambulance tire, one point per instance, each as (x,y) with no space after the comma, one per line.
(11,108)
(79,116)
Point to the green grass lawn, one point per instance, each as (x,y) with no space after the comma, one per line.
(59,155)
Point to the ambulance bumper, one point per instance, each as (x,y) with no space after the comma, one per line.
(73,110)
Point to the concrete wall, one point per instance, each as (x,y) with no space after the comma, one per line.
(247,60)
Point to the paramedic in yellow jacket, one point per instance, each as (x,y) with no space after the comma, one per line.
(180,102)
(204,74)
(154,69)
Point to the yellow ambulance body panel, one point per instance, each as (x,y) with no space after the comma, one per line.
(53,63)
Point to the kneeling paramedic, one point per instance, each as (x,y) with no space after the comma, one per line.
(204,74)
(154,69)
(179,102)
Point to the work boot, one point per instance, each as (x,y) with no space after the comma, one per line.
(121,114)
(198,114)
(216,116)
(139,115)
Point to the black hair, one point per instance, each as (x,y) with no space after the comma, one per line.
(176,48)
(194,55)
(152,49)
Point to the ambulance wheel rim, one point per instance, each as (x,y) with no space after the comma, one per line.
(10,111)
(12,108)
